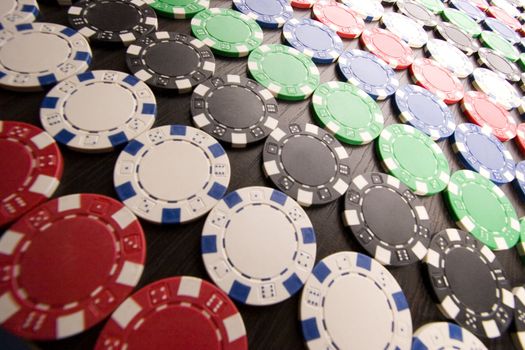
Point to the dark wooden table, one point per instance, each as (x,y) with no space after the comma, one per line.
(175,250)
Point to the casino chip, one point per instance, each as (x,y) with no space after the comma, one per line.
(482,152)
(314,39)
(169,60)
(518,330)
(498,64)
(520,139)
(43,254)
(30,167)
(519,184)
(504,17)
(496,87)
(487,113)
(172,174)
(349,288)
(121,21)
(424,111)
(388,47)
(268,13)
(449,57)
(483,5)
(401,241)
(502,29)
(437,79)
(445,335)
(340,18)
(369,10)
(507,7)
(405,28)
(258,264)
(462,21)
(455,36)
(41,67)
(197,315)
(14,12)
(286,72)
(98,110)
(469,283)
(369,73)
(469,9)
(179,9)
(303,4)
(436,6)
(417,12)
(306,163)
(480,207)
(234,109)
(498,43)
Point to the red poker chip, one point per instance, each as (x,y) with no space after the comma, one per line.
(30,168)
(504,17)
(67,264)
(481,4)
(437,79)
(176,313)
(388,47)
(339,17)
(303,4)
(520,138)
(486,112)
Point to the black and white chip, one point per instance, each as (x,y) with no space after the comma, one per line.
(457,37)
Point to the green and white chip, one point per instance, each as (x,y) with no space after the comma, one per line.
(179,9)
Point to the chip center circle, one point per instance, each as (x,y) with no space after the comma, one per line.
(485,108)
(484,207)
(501,63)
(314,37)
(13,173)
(235,107)
(485,151)
(127,19)
(388,45)
(370,71)
(269,8)
(424,106)
(228,29)
(339,16)
(7,6)
(415,157)
(350,109)
(285,69)
(439,78)
(172,59)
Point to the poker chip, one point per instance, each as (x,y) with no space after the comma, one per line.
(481,208)
(347,112)
(498,64)
(286,72)
(507,7)
(436,6)
(519,184)
(44,253)
(482,303)
(521,107)
(449,57)
(369,10)
(518,330)
(314,39)
(437,79)
(418,12)
(98,110)
(368,73)
(40,67)
(484,153)
(30,167)
(484,111)
(469,9)
(483,5)
(227,32)
(121,21)
(327,303)
(197,314)
(496,42)
(179,9)
(494,86)
(413,158)
(455,36)
(520,137)
(268,13)
(151,59)
(307,164)
(388,47)
(233,249)
(424,111)
(462,21)
(172,174)
(340,18)
(502,29)
(14,12)
(397,242)
(521,61)
(303,4)
(234,109)
(445,335)
(405,28)
(504,17)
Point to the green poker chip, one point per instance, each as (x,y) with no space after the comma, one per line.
(497,43)
(179,9)
(435,6)
(348,112)
(480,207)
(413,158)
(462,21)
(521,244)
(521,61)
(286,72)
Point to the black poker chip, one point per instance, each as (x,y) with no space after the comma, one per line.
(457,37)
(417,12)
(518,328)
(498,64)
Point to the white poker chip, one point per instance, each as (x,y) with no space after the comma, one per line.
(445,335)
(496,87)
(369,10)
(449,57)
(258,264)
(172,174)
(405,28)
(13,12)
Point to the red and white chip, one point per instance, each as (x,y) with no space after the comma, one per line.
(504,17)
(483,5)
(520,138)
(388,47)
(303,4)
(437,79)
(340,18)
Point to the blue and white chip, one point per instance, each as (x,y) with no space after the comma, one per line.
(268,13)
(445,335)
(502,29)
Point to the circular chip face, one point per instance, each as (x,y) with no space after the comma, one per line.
(520,137)
(340,18)
(268,13)
(445,335)
(98,110)
(172,174)
(424,111)
(327,302)
(462,21)
(480,207)
(449,57)
(303,4)
(498,64)
(519,184)
(507,7)
(482,305)
(121,21)
(469,9)
(369,10)
(286,72)
(388,47)
(46,251)
(418,12)
(179,9)
(405,28)
(314,39)
(197,314)
(502,29)
(30,167)
(413,158)
(151,59)
(455,36)
(518,331)
(504,17)
(482,152)
(234,109)
(227,32)
(436,6)
(437,79)
(499,44)
(496,87)
(487,113)
(306,163)
(258,264)
(369,73)
(51,54)
(399,239)
(14,12)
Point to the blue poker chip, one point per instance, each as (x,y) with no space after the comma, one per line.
(314,39)
(369,73)
(469,9)
(424,111)
(502,29)
(268,13)
(482,152)
(519,182)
